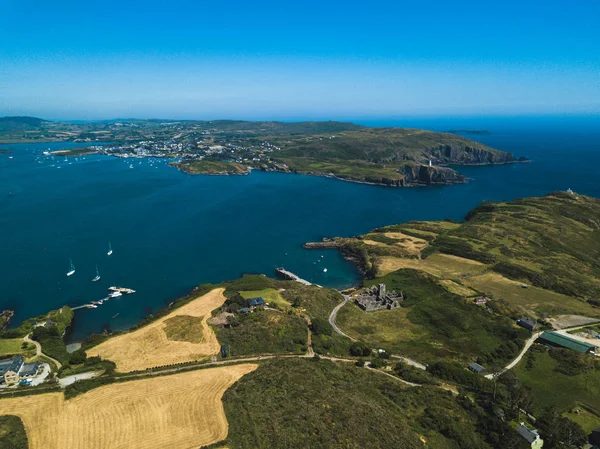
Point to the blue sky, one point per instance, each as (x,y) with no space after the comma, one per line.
(287,60)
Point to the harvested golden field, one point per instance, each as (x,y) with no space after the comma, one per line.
(167,340)
(179,411)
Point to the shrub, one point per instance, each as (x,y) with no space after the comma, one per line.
(358,349)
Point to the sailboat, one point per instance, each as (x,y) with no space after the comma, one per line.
(109,249)
(72,270)
(97,278)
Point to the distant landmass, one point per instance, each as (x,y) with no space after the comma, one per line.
(21,123)
(394,157)
(469,131)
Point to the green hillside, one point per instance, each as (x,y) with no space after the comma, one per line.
(319,404)
(552,242)
(21,123)
(538,255)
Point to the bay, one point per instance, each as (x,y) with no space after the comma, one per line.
(171,231)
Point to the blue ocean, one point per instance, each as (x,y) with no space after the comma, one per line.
(170,231)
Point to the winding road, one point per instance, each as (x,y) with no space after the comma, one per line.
(38,351)
(333,315)
(512,364)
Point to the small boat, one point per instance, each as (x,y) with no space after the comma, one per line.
(115,294)
(97,278)
(92,306)
(130,165)
(72,270)
(114,316)
(100,302)
(110,251)
(324,270)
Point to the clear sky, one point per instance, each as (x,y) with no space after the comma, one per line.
(77,59)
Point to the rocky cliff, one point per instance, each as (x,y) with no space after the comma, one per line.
(419,174)
(467,155)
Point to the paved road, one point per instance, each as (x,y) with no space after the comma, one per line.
(334,313)
(512,364)
(38,349)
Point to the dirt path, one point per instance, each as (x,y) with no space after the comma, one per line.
(514,363)
(38,351)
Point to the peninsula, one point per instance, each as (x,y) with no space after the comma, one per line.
(394,157)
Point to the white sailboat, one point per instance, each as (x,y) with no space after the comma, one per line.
(110,251)
(97,278)
(72,270)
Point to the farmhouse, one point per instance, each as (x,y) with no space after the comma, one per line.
(14,370)
(476,368)
(255,302)
(376,298)
(531,435)
(527,323)
(555,339)
(9,370)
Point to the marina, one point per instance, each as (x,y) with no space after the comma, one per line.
(115,292)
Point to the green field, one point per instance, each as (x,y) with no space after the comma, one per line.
(302,403)
(432,323)
(551,387)
(11,346)
(270,295)
(586,419)
(264,332)
(184,328)
(541,302)
(12,433)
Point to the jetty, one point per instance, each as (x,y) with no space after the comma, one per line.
(116,292)
(125,291)
(285,274)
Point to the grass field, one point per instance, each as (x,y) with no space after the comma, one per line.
(444,266)
(168,340)
(532,299)
(179,411)
(10,346)
(551,387)
(270,295)
(431,323)
(586,419)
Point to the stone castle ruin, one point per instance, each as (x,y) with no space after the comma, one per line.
(377,298)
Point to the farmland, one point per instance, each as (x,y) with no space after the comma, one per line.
(181,336)
(177,411)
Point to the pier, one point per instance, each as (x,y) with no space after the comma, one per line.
(281,272)
(115,293)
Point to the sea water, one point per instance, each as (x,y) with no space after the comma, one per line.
(171,231)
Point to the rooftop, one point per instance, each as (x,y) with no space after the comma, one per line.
(567,342)
(529,434)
